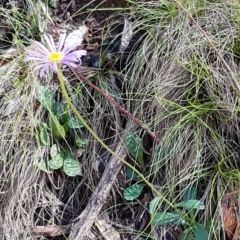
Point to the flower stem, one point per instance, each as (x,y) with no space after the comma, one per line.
(68,100)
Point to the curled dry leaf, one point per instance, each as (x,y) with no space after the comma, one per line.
(236,235)
(50,230)
(228,214)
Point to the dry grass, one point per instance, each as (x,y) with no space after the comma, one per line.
(185,89)
(192,99)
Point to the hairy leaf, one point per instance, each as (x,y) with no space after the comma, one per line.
(134,146)
(133,191)
(53,151)
(153,205)
(46,98)
(56,162)
(42,166)
(56,128)
(43,136)
(191,204)
(80,142)
(75,123)
(190,193)
(200,232)
(71,167)
(162,218)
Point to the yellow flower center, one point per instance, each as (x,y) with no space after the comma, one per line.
(55,57)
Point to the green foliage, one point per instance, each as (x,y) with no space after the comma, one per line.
(57,129)
(153,205)
(199,231)
(46,98)
(134,146)
(43,167)
(192,227)
(130,174)
(71,167)
(133,191)
(56,162)
(162,218)
(63,160)
(59,122)
(64,113)
(53,151)
(191,204)
(80,142)
(75,123)
(43,135)
(190,193)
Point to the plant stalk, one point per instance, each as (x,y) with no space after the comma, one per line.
(68,100)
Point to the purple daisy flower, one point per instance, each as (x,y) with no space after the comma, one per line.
(51,57)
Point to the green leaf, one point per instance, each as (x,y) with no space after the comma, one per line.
(75,123)
(134,146)
(153,205)
(208,225)
(66,127)
(186,234)
(131,174)
(46,98)
(56,162)
(65,114)
(42,166)
(43,124)
(80,142)
(56,128)
(162,218)
(191,204)
(71,167)
(133,191)
(56,108)
(200,232)
(53,151)
(43,136)
(68,154)
(190,193)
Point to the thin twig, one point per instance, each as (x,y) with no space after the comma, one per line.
(121,108)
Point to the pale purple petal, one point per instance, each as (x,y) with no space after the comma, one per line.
(69,47)
(31,58)
(70,58)
(50,42)
(61,42)
(54,66)
(36,56)
(69,63)
(76,54)
(45,67)
(32,52)
(41,47)
(36,66)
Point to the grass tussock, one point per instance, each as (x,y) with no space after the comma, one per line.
(181,79)
(187,74)
(30,197)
